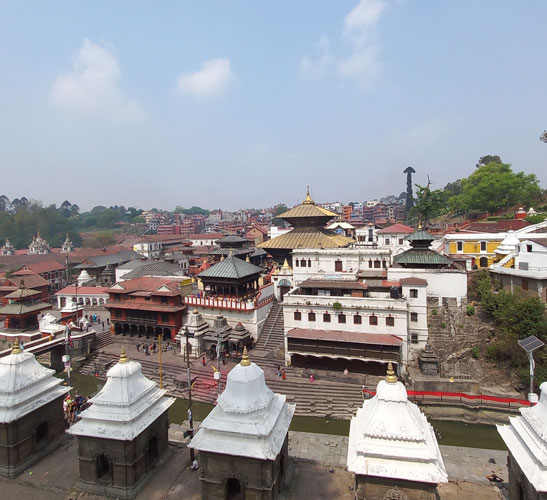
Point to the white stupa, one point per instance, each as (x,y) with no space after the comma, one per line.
(26,385)
(83,278)
(526,439)
(509,244)
(391,438)
(126,405)
(249,420)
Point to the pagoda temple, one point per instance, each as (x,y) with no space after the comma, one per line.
(526,440)
(392,448)
(123,435)
(197,327)
(7,248)
(31,411)
(243,443)
(420,256)
(308,221)
(21,311)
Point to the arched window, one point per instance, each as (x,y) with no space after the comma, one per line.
(311,316)
(326,317)
(357,320)
(390,321)
(341,318)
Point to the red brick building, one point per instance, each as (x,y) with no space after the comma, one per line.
(146,307)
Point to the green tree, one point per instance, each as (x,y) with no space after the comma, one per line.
(429,203)
(494,186)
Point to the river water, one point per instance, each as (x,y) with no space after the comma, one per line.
(452,433)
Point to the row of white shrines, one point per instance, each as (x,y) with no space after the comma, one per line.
(243,442)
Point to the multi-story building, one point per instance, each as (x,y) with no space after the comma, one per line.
(358,325)
(146,307)
(394,238)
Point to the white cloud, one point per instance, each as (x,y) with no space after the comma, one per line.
(316,67)
(360,33)
(92,87)
(211,80)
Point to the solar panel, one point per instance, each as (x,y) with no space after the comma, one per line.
(531,343)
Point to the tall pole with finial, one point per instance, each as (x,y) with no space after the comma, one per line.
(190,415)
(159,348)
(409,197)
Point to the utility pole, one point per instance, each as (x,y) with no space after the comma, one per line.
(190,416)
(159,347)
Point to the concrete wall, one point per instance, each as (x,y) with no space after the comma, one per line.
(376,488)
(519,486)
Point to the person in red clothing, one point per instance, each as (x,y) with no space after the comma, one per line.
(283,374)
(203,361)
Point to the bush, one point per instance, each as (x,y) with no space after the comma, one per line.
(475,352)
(443,325)
(470,310)
(434,312)
(337,306)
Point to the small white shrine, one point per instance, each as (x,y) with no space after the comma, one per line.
(127,416)
(31,411)
(7,248)
(38,246)
(392,448)
(283,280)
(243,442)
(84,278)
(67,246)
(526,439)
(197,328)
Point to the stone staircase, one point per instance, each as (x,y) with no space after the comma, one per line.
(272,337)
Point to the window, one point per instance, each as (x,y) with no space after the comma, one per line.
(164,300)
(376,264)
(373,320)
(414,317)
(390,321)
(414,338)
(117,297)
(459,246)
(483,246)
(165,318)
(413,293)
(370,263)
(528,248)
(341,318)
(387,241)
(357,320)
(338,266)
(524,284)
(384,264)
(303,263)
(400,241)
(297,262)
(311,316)
(326,318)
(309,262)
(297,316)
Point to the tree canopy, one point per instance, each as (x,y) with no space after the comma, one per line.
(494,186)
(429,203)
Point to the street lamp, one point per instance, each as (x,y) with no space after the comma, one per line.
(530,344)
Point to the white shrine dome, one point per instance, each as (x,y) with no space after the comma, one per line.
(250,420)
(526,439)
(84,277)
(509,243)
(26,385)
(390,437)
(126,405)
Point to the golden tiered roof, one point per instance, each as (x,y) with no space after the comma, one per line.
(308,238)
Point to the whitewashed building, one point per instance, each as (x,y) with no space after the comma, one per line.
(392,448)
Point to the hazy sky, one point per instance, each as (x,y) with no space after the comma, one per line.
(238,104)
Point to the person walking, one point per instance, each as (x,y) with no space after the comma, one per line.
(283,374)
(203,361)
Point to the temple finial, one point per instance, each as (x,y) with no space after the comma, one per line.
(286,264)
(123,356)
(16,347)
(308,200)
(391,378)
(245,361)
(247,259)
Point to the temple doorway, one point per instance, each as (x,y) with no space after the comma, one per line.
(233,489)
(284,287)
(483,262)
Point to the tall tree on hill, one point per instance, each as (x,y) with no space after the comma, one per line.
(494,186)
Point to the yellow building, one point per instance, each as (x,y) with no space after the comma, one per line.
(481,247)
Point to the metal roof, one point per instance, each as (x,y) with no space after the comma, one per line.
(421,256)
(307,238)
(17,308)
(231,268)
(160,268)
(103,260)
(232,238)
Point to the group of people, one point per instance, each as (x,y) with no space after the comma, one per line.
(73,406)
(151,348)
